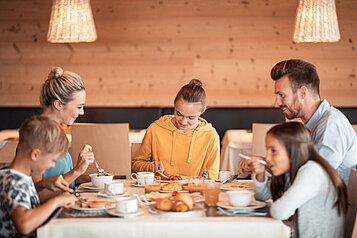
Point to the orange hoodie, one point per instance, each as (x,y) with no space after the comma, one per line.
(182,153)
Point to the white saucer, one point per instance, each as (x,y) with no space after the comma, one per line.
(252,206)
(113,212)
(90,186)
(103,194)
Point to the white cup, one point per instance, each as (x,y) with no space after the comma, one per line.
(143,178)
(127,205)
(224,175)
(114,187)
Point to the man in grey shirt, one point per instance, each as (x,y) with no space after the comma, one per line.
(298,96)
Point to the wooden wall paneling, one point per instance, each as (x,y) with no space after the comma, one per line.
(146,50)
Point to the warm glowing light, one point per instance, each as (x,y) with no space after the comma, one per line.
(71,21)
(316,21)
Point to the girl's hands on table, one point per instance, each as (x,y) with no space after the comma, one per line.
(157,166)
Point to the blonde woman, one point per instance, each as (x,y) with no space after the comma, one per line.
(62,99)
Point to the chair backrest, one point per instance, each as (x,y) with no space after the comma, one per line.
(352,199)
(134,149)
(259,131)
(110,144)
(8,151)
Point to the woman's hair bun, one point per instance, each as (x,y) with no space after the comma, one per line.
(195,82)
(56,72)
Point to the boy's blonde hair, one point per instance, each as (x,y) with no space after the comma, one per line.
(43,133)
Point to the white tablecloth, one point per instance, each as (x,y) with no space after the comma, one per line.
(233,143)
(149,225)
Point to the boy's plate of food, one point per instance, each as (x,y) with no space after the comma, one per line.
(93,206)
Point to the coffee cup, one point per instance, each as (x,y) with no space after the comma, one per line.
(143,178)
(113,187)
(127,205)
(223,175)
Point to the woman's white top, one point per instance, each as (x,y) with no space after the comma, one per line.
(314,195)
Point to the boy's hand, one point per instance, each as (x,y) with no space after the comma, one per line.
(56,184)
(66,200)
(85,158)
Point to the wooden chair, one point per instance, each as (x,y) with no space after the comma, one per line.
(259,131)
(8,151)
(110,144)
(134,149)
(350,220)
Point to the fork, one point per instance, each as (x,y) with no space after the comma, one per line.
(78,196)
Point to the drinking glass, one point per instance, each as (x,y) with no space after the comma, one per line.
(211,191)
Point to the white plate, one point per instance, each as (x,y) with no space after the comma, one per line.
(195,212)
(113,212)
(89,210)
(103,194)
(239,185)
(90,186)
(252,206)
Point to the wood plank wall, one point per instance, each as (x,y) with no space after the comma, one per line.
(147,49)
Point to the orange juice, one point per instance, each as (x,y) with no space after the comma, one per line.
(211,191)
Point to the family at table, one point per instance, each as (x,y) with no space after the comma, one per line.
(306,171)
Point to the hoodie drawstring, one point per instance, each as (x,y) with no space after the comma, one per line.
(191,146)
(172,163)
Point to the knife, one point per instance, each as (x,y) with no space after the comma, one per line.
(230,179)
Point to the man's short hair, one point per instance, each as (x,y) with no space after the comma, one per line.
(299,72)
(42,133)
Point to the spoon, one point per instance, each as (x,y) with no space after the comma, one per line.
(100,171)
(247,157)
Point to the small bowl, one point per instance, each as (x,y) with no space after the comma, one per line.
(240,198)
(99,180)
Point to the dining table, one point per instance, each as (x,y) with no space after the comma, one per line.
(204,222)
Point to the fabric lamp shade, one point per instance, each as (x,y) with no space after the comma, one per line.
(71,21)
(316,21)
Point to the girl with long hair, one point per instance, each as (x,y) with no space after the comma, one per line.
(303,186)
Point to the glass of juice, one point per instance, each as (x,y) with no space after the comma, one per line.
(211,190)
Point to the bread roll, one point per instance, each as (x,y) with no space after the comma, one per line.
(180,206)
(187,199)
(164,204)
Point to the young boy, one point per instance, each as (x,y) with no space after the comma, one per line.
(41,142)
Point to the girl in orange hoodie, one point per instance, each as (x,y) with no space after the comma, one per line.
(183,143)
